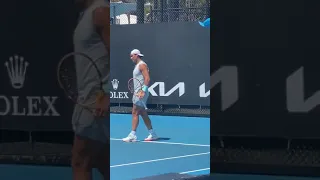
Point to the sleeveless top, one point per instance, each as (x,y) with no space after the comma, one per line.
(137,74)
(87,40)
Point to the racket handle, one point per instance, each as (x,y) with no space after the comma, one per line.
(145,107)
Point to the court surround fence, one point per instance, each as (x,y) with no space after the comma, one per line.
(271,156)
(169,110)
(157,11)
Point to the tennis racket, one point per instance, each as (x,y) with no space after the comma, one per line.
(78,71)
(135,86)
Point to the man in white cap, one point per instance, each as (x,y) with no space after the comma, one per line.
(140,72)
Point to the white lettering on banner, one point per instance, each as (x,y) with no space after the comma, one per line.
(202,91)
(117,95)
(24,106)
(227,76)
(296,100)
(16,69)
(295,90)
(13,106)
(180,86)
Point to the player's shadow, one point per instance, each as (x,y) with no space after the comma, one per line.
(163,139)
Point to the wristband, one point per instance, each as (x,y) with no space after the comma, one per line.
(144,88)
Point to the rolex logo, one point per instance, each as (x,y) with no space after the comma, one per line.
(16,68)
(115,84)
(117,95)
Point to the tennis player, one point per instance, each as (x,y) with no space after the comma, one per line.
(91,142)
(140,72)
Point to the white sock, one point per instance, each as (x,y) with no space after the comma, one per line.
(151,131)
(133,132)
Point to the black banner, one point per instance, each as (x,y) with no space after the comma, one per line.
(177,55)
(265,78)
(34,37)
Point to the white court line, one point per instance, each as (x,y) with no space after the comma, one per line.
(173,143)
(195,171)
(156,160)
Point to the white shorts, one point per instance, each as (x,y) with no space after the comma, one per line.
(139,102)
(85,124)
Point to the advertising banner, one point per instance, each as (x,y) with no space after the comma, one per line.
(178,57)
(30,98)
(265,82)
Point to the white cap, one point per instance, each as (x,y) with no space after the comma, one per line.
(137,52)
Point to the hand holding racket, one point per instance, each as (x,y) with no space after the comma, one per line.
(135,86)
(140,94)
(102,104)
(81,80)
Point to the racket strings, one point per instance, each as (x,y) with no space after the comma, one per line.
(80,78)
(134,85)
(67,80)
(131,86)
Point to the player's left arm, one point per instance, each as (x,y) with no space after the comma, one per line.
(145,72)
(101,20)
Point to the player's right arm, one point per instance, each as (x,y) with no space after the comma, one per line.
(145,73)
(146,76)
(101,20)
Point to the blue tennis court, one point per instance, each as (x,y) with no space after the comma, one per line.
(184,147)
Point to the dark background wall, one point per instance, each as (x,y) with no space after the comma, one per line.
(272,128)
(268,41)
(41,34)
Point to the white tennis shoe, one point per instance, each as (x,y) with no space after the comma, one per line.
(133,138)
(151,137)
(130,138)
